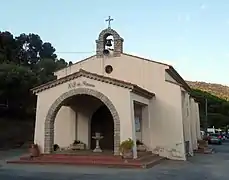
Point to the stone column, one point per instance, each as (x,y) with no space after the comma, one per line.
(118,47)
(116,137)
(49,137)
(99,48)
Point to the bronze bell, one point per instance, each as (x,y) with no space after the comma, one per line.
(108,42)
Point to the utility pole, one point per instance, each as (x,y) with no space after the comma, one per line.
(206,115)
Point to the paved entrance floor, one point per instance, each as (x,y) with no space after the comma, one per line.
(210,167)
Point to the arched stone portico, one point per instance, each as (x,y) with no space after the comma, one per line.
(51,115)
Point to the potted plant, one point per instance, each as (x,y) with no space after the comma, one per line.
(78,145)
(140,146)
(34,150)
(126,148)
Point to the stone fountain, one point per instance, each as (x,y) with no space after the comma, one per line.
(97,138)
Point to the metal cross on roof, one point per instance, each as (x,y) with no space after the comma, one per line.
(109,21)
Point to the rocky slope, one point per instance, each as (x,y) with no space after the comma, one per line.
(218,90)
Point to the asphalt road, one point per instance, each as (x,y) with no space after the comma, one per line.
(199,167)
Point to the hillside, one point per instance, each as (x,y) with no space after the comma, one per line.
(217,104)
(218,90)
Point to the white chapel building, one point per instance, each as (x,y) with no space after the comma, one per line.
(120,96)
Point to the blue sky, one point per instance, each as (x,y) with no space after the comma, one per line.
(191,35)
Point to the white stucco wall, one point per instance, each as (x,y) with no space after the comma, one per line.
(187,121)
(65,124)
(167,131)
(83,128)
(198,122)
(193,123)
(120,102)
(166,125)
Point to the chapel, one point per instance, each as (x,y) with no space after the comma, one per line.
(113,96)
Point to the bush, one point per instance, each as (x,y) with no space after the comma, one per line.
(127,145)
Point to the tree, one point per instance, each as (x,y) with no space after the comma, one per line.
(218,109)
(15,84)
(26,61)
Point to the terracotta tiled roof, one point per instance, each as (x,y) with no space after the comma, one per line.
(82,73)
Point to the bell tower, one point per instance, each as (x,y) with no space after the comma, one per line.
(109,42)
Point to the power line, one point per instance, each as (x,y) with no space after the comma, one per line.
(75,52)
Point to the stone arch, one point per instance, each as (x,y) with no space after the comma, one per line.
(107,32)
(53,110)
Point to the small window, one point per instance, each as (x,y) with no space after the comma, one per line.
(108,69)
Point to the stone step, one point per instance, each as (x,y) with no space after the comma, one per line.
(86,163)
(145,161)
(143,157)
(89,162)
(75,157)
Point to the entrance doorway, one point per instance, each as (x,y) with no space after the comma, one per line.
(64,100)
(102,122)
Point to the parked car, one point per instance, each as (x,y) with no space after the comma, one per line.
(215,139)
(224,137)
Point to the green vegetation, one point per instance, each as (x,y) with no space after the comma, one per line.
(217,100)
(25,61)
(217,90)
